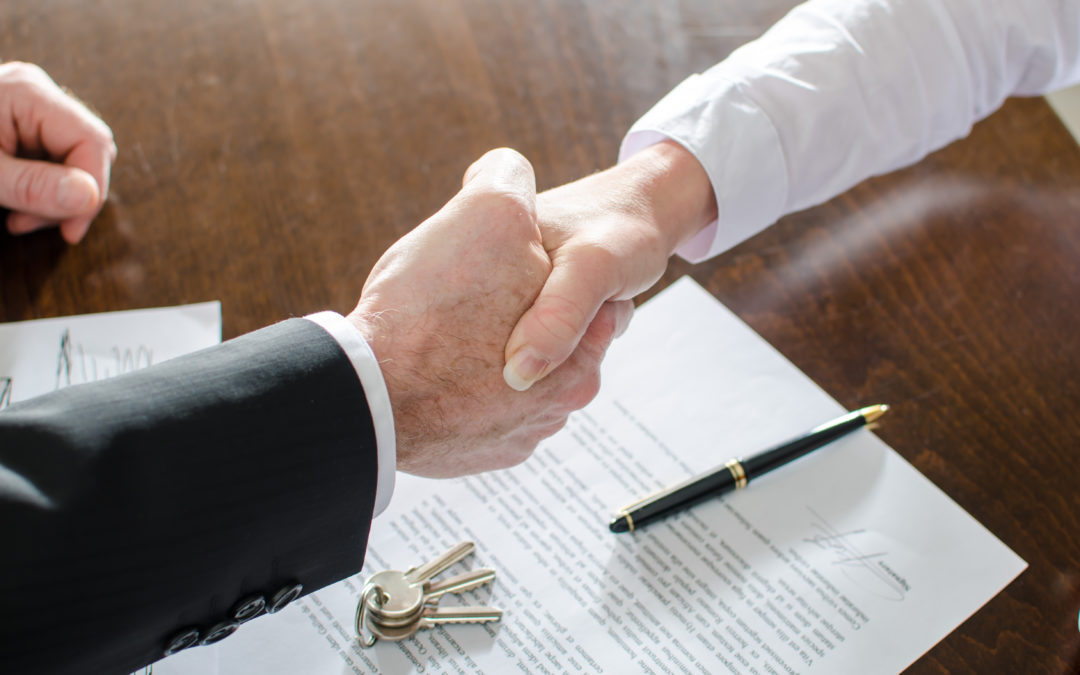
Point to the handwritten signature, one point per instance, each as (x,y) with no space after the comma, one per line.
(869,570)
(5,392)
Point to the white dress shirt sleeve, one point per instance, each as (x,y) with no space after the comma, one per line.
(378,399)
(840,90)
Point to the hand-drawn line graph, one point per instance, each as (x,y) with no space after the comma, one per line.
(75,366)
(5,392)
(77,363)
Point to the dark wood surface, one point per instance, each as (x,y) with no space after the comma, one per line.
(270,150)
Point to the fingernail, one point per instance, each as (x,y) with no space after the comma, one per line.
(74,193)
(524,368)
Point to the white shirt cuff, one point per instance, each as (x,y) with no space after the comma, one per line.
(378,399)
(736,144)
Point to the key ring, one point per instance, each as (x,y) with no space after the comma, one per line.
(363,634)
(406,602)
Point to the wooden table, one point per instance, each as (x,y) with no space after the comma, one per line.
(270,150)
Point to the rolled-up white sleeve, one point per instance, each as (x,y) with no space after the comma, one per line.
(378,399)
(840,90)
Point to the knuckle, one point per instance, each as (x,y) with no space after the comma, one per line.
(506,203)
(519,205)
(584,391)
(22,71)
(519,452)
(514,162)
(26,84)
(590,387)
(23,89)
(104,135)
(606,329)
(106,141)
(544,432)
(602,331)
(510,186)
(555,427)
(27,80)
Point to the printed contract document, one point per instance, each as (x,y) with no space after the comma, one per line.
(845,561)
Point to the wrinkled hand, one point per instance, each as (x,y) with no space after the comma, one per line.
(609,237)
(55,155)
(437,310)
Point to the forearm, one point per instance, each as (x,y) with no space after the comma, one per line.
(838,91)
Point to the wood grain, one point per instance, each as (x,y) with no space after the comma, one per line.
(270,150)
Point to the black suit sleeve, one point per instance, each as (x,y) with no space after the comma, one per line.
(138,507)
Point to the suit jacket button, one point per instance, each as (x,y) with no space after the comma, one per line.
(283,597)
(249,608)
(219,632)
(182,640)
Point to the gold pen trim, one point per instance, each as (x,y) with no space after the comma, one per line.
(872,413)
(737,472)
(629,521)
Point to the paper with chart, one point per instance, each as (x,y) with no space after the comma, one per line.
(44,355)
(847,560)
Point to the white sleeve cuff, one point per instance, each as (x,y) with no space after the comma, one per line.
(737,145)
(378,399)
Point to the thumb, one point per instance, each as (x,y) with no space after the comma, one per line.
(547,334)
(45,189)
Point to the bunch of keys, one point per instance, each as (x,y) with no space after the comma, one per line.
(395,605)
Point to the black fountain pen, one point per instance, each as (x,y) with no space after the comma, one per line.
(737,472)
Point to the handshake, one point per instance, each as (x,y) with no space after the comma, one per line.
(467,304)
(501,290)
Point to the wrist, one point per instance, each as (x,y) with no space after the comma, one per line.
(619,227)
(674,191)
(374,328)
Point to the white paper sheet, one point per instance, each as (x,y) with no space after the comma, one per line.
(40,356)
(846,561)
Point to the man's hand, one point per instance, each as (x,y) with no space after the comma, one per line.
(437,310)
(609,237)
(55,155)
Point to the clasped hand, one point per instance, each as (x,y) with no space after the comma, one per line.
(55,155)
(437,311)
(542,285)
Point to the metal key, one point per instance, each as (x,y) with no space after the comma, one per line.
(401,595)
(441,563)
(466,581)
(433,616)
(394,605)
(432,591)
